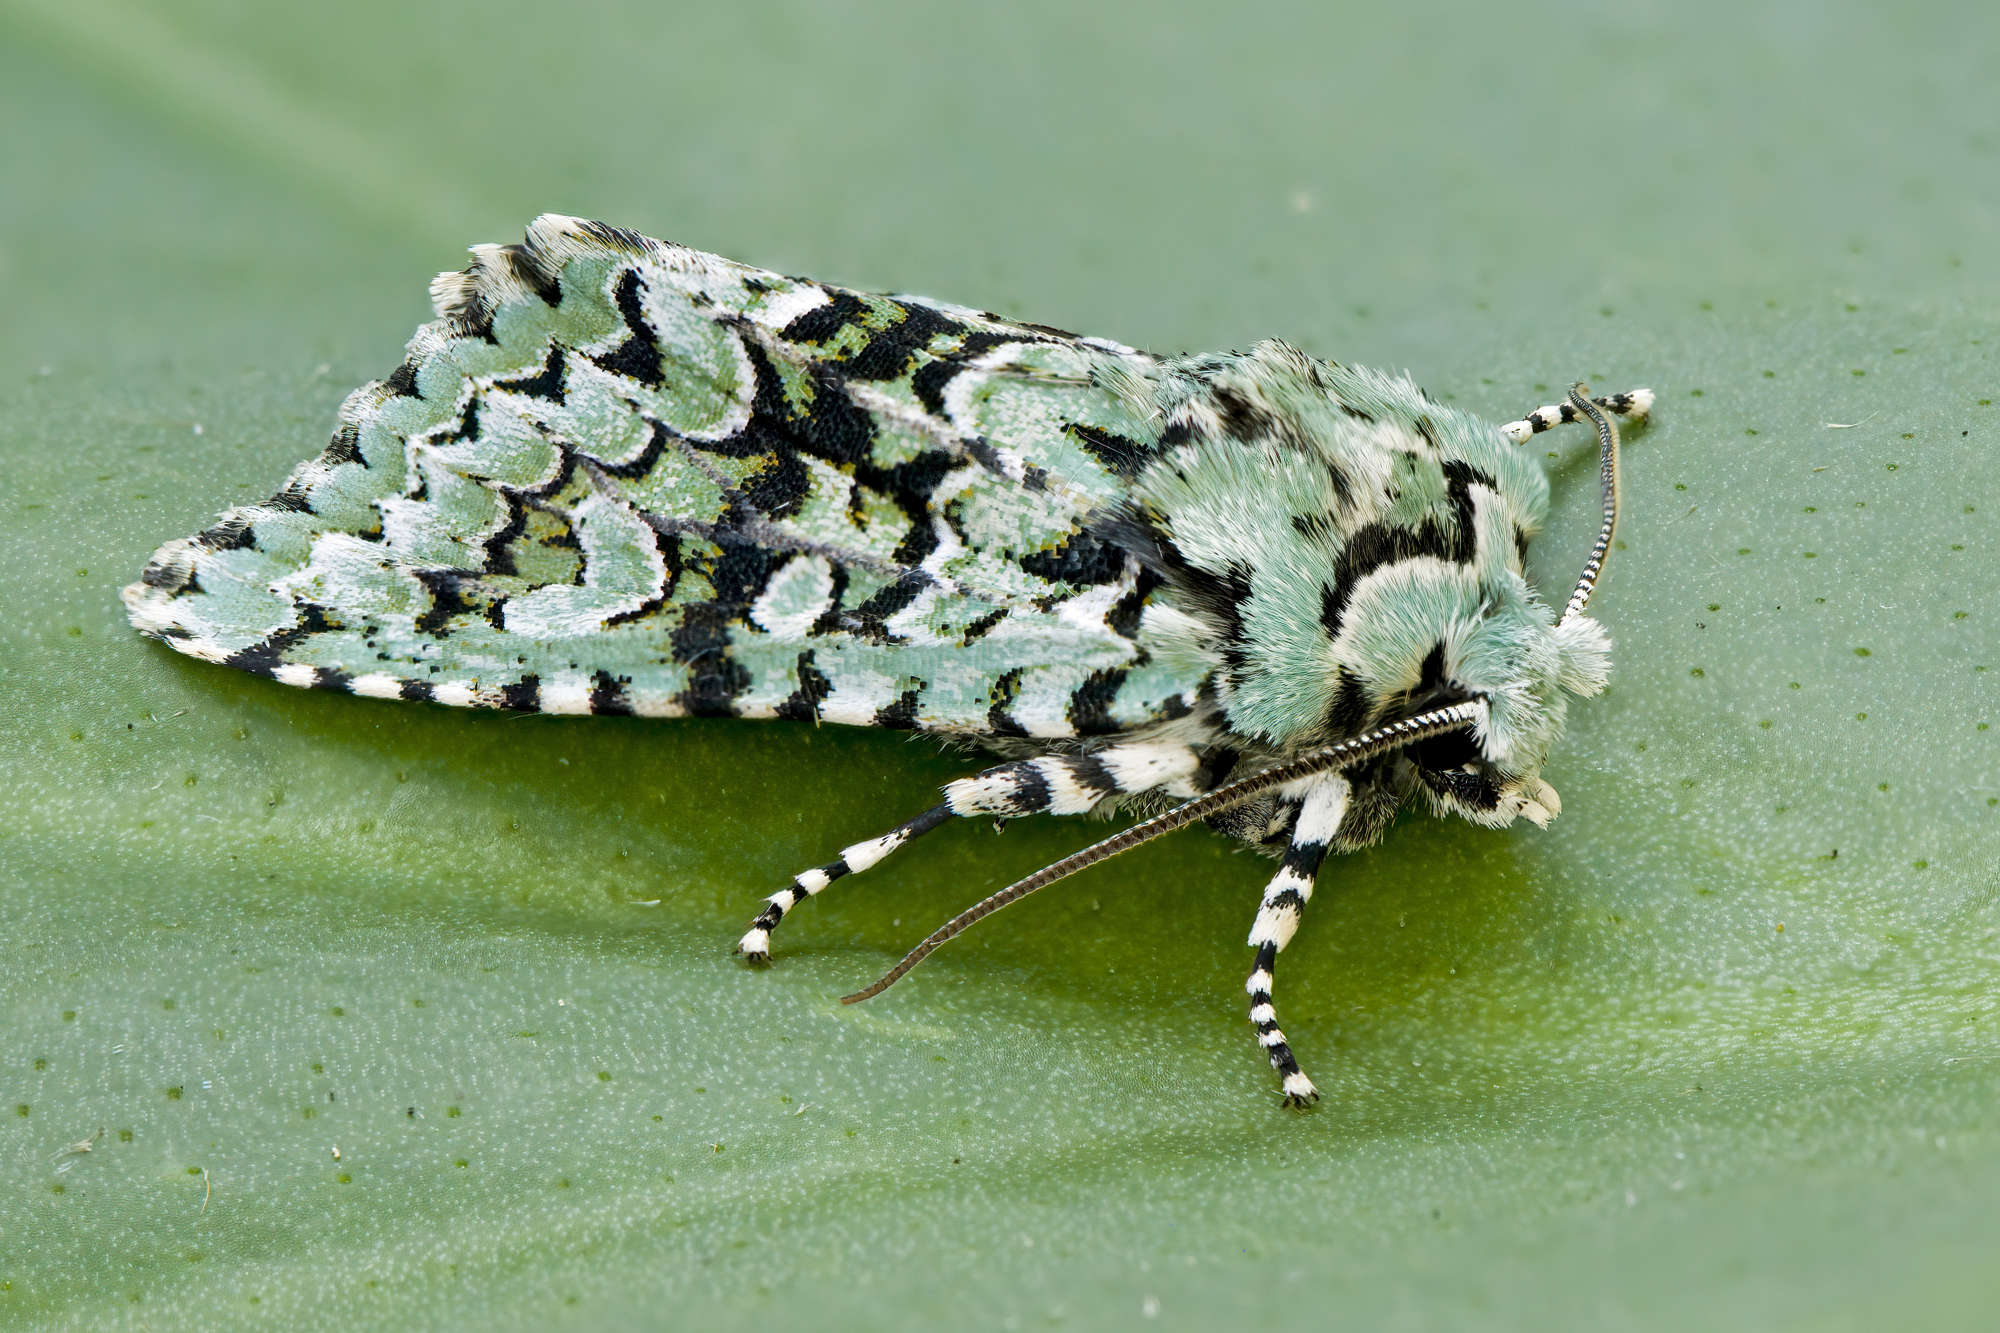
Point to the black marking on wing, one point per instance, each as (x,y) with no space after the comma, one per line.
(911,481)
(802,705)
(345,446)
(468,420)
(331,678)
(889,354)
(982,452)
(174,580)
(979,628)
(900,715)
(917,544)
(780,488)
(233,533)
(641,464)
(292,500)
(1005,690)
(1125,458)
(931,380)
(447,588)
(700,641)
(910,485)
(267,654)
(826,321)
(529,266)
(833,618)
(837,429)
(833,426)
(1082,558)
(870,619)
(1126,613)
(494,556)
(713,686)
(740,572)
(1090,703)
(638,357)
(544,383)
(669,547)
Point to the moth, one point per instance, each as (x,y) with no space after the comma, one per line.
(1274,593)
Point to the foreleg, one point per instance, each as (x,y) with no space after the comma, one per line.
(1319,813)
(1633,404)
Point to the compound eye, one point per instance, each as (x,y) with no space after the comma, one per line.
(1472,787)
(1444,753)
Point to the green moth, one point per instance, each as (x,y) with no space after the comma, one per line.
(620,476)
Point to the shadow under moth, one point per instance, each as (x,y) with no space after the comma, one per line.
(1257,589)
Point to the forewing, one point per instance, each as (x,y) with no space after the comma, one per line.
(617,475)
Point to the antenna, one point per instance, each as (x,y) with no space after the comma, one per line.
(1345,754)
(1607,471)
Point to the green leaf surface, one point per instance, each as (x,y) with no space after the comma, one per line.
(402,1017)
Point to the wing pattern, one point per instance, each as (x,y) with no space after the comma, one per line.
(621,476)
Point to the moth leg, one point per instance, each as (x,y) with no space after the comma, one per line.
(1633,403)
(1285,898)
(1051,784)
(756,942)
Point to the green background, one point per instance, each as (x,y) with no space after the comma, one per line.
(1723,1045)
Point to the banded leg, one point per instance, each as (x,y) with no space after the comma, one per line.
(1319,815)
(1052,784)
(756,942)
(1633,403)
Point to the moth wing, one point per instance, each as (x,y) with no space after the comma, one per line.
(618,475)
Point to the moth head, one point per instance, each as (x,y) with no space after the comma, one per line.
(1524,664)
(1458,777)
(1524,667)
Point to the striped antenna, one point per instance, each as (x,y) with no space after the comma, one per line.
(1607,471)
